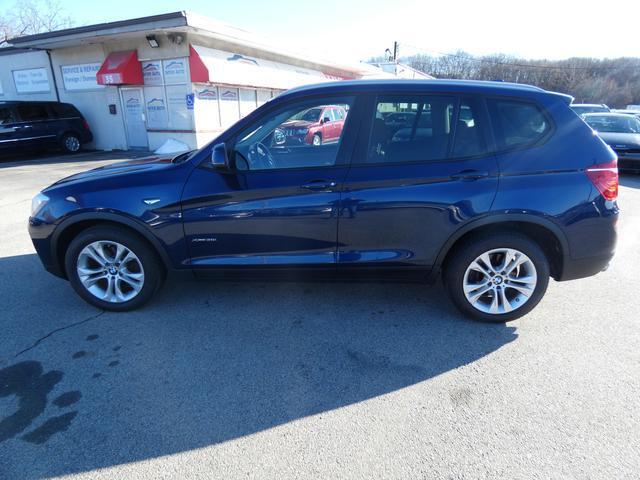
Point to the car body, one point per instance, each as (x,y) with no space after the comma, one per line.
(621,131)
(582,108)
(41,125)
(313,126)
(509,176)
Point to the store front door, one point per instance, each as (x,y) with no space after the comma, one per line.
(133,108)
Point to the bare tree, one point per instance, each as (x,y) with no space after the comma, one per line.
(27,17)
(615,82)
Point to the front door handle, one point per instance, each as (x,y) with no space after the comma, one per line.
(469,175)
(318,185)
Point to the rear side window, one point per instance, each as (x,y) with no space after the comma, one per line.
(517,124)
(32,112)
(63,110)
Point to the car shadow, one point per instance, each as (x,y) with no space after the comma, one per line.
(208,362)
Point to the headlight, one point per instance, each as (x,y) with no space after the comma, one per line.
(301,131)
(37,203)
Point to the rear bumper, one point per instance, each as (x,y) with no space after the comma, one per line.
(584,267)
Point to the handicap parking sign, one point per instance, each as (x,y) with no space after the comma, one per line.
(189,99)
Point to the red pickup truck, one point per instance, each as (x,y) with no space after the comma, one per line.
(314,126)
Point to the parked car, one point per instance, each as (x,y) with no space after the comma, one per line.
(582,108)
(496,200)
(42,125)
(621,132)
(315,126)
(635,113)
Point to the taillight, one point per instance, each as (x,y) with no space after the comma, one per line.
(604,177)
(86,124)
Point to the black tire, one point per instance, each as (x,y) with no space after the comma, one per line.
(471,249)
(317,140)
(70,143)
(151,263)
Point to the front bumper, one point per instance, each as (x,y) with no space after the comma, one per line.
(41,237)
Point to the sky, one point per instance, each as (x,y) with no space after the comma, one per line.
(350,31)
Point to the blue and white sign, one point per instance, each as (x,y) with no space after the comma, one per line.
(80,77)
(152,72)
(175,70)
(32,80)
(189,99)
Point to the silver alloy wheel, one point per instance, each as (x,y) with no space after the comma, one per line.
(499,281)
(72,143)
(110,271)
(317,140)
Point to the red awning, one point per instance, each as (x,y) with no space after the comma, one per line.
(120,68)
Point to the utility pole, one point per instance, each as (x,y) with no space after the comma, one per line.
(396,50)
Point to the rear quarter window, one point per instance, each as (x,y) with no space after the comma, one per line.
(64,110)
(517,123)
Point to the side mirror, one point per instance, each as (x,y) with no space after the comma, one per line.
(326,119)
(219,157)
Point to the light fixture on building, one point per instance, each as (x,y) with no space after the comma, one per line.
(153,43)
(176,38)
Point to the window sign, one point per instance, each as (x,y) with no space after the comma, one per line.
(175,70)
(152,72)
(207,93)
(32,80)
(81,77)
(179,113)
(229,94)
(156,107)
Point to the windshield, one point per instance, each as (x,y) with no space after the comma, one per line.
(611,124)
(311,115)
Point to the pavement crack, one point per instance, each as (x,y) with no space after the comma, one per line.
(41,339)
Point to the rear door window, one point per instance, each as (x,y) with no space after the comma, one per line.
(469,139)
(32,112)
(517,123)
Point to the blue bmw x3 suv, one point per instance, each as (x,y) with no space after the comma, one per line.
(495,187)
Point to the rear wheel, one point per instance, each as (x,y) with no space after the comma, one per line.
(70,143)
(497,278)
(113,268)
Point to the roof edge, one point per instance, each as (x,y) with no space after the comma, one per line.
(17,41)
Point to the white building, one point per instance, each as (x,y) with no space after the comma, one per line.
(142,81)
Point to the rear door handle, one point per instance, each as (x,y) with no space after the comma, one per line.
(469,175)
(317,185)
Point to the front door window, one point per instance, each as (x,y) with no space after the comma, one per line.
(295,136)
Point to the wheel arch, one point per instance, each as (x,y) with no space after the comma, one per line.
(71,227)
(543,231)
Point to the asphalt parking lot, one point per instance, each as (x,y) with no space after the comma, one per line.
(226,380)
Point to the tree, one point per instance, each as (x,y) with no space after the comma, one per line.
(28,17)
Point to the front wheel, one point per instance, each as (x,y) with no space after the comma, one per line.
(113,268)
(497,278)
(317,140)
